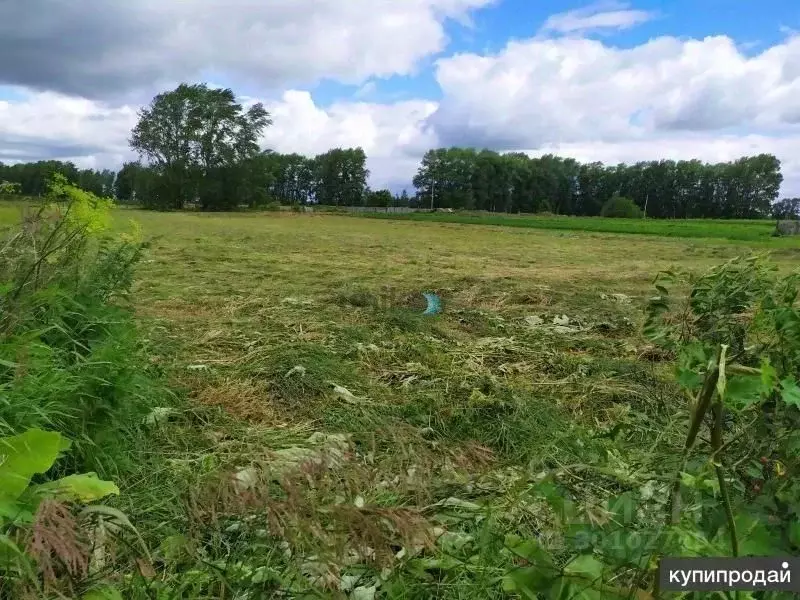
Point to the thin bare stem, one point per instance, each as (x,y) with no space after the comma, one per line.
(719,467)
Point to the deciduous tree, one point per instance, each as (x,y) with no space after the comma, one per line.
(196,138)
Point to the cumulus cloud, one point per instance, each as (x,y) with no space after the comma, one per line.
(544,91)
(392,135)
(596,18)
(96,48)
(667,98)
(48,125)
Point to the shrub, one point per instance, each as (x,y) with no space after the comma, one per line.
(621,208)
(9,189)
(70,357)
(71,368)
(272,206)
(46,541)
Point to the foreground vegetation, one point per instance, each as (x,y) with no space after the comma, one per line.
(74,384)
(328,440)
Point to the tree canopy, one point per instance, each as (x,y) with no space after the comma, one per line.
(33,178)
(621,208)
(788,208)
(198,141)
(485,180)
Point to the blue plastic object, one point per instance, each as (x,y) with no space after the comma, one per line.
(434,304)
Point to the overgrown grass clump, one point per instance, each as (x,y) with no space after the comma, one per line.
(71,358)
(75,387)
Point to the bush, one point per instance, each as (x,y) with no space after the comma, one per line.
(75,386)
(621,208)
(70,356)
(272,206)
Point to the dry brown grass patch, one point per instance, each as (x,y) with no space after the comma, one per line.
(57,543)
(242,398)
(176,311)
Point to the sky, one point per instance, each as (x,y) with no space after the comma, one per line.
(609,81)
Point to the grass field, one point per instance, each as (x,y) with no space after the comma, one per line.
(743,230)
(302,335)
(264,316)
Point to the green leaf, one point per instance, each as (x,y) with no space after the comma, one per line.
(528,581)
(443,563)
(623,507)
(84,488)
(104,592)
(794,533)
(569,588)
(173,547)
(744,390)
(557,499)
(585,566)
(11,554)
(689,378)
(17,512)
(531,550)
(23,456)
(769,377)
(790,393)
(754,537)
(755,470)
(454,542)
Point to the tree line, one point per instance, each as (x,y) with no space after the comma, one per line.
(198,146)
(32,178)
(465,178)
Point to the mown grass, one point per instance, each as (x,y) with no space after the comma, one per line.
(303,335)
(261,315)
(742,230)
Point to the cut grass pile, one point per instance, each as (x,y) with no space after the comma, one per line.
(741,230)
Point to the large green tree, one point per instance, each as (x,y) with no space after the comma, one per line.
(195,139)
(340,177)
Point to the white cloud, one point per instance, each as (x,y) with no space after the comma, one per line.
(391,134)
(567,90)
(144,44)
(49,125)
(596,18)
(667,98)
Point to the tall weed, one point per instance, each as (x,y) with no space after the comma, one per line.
(70,356)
